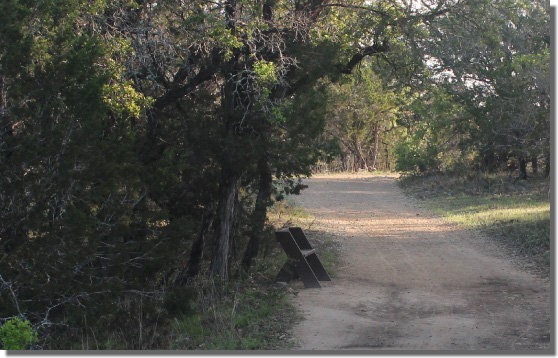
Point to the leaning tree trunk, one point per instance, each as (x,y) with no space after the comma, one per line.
(259,215)
(230,185)
(196,254)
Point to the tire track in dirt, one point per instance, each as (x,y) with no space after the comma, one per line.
(408,280)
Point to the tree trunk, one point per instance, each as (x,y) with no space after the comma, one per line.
(360,158)
(343,160)
(228,192)
(547,166)
(522,168)
(259,215)
(233,97)
(488,161)
(376,146)
(194,263)
(534,164)
(3,100)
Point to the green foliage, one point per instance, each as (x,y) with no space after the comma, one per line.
(83,237)
(265,73)
(496,67)
(435,123)
(123,100)
(17,334)
(247,316)
(415,156)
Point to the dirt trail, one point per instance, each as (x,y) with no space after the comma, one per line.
(411,281)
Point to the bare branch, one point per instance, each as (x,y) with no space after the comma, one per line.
(8,285)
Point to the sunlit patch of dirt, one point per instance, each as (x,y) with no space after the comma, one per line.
(409,280)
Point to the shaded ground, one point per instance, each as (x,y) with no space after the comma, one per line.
(410,281)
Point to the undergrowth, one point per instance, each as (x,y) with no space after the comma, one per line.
(252,313)
(516,212)
(247,313)
(243,316)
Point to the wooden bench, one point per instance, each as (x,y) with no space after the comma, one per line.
(303,261)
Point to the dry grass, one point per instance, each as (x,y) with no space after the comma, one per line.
(353,175)
(515,212)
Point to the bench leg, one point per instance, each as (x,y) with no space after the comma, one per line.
(301,270)
(307,275)
(317,267)
(313,260)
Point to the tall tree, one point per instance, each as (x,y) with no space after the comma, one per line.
(362,112)
(495,61)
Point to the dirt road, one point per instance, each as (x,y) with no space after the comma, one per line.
(411,281)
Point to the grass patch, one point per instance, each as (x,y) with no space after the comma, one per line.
(245,317)
(515,212)
(286,213)
(360,173)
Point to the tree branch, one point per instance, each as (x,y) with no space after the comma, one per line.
(367,51)
(175,94)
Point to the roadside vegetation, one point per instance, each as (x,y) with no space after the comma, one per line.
(516,212)
(251,312)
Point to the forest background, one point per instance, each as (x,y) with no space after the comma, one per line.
(143,142)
